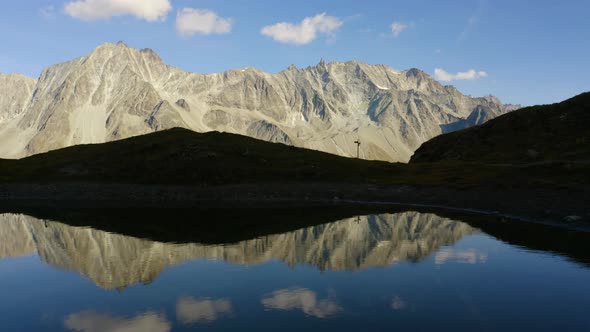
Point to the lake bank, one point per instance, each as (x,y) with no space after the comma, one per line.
(559,207)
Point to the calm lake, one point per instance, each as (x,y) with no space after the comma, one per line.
(389,272)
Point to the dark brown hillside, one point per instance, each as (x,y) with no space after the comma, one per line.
(543,133)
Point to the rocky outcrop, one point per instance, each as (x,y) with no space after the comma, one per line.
(15,92)
(117,92)
(116,261)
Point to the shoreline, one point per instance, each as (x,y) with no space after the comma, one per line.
(560,207)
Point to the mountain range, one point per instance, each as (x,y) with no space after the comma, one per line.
(117,91)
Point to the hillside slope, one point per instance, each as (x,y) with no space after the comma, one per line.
(181,156)
(543,133)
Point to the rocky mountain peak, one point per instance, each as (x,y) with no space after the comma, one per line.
(492,99)
(14,76)
(322,66)
(415,72)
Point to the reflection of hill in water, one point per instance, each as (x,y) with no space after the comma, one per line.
(113,260)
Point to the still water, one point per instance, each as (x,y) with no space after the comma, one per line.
(390,272)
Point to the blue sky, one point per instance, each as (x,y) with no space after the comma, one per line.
(527,52)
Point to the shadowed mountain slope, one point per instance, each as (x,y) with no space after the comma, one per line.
(534,134)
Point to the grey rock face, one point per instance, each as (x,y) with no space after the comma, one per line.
(15,92)
(268,132)
(478,116)
(116,92)
(117,261)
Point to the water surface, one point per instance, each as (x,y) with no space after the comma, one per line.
(401,271)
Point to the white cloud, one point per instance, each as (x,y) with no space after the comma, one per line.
(190,21)
(397,28)
(471,74)
(93,10)
(304,32)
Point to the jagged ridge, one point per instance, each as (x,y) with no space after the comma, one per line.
(117,91)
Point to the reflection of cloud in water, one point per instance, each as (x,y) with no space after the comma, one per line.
(470,256)
(91,321)
(302,299)
(398,303)
(190,310)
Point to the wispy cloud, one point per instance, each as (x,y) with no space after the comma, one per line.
(397,28)
(94,10)
(471,74)
(190,21)
(304,32)
(473,20)
(47,11)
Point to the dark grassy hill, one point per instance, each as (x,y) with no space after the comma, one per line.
(534,134)
(181,156)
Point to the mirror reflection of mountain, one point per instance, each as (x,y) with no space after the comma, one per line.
(115,261)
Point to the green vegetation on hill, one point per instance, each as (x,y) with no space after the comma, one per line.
(543,133)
